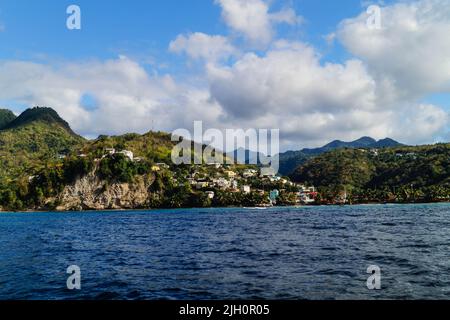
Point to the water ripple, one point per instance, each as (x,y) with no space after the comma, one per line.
(277,253)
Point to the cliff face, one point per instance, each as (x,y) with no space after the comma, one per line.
(93,193)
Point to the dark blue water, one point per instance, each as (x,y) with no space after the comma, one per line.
(279,253)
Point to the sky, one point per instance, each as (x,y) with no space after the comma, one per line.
(315,69)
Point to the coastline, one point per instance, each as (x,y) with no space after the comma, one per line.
(230,207)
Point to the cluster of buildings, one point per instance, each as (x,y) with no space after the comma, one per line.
(241,182)
(412,155)
(223,177)
(307,195)
(128,154)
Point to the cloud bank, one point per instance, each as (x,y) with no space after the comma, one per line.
(269,82)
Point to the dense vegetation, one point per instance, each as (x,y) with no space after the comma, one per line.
(32,145)
(31,192)
(393,174)
(291,160)
(40,155)
(118,168)
(39,114)
(169,192)
(6,117)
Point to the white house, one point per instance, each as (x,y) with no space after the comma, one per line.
(306,197)
(267,172)
(246,189)
(110,151)
(221,183)
(274,178)
(249,173)
(215,165)
(127,154)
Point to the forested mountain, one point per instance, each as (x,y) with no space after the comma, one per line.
(6,117)
(290,160)
(32,140)
(45,165)
(42,159)
(421,172)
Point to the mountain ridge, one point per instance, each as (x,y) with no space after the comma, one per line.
(45,165)
(290,160)
(6,117)
(42,114)
(405,173)
(32,140)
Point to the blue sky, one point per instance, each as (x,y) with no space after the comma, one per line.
(142,31)
(109,28)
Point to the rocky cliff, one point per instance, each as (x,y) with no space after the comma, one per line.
(92,193)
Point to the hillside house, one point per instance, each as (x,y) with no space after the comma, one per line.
(215,165)
(231,174)
(246,189)
(221,183)
(249,173)
(127,154)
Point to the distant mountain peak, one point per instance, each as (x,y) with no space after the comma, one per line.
(292,159)
(366,140)
(363,142)
(6,117)
(42,114)
(388,142)
(359,143)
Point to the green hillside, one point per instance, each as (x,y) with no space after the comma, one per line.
(31,141)
(291,160)
(38,114)
(6,117)
(153,146)
(41,155)
(402,173)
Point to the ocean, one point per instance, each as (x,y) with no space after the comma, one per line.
(203,254)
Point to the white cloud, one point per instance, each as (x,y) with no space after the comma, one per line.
(312,103)
(379,92)
(419,123)
(287,88)
(202,46)
(128,98)
(409,56)
(289,78)
(252,19)
(286,15)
